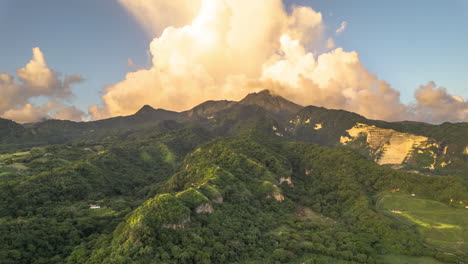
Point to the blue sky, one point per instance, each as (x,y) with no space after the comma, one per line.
(406,43)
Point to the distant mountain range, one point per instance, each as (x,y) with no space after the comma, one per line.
(440,149)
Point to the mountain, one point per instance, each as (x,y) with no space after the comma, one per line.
(437,149)
(9,128)
(271,102)
(262,180)
(207,109)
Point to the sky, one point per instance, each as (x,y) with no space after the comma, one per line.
(92,59)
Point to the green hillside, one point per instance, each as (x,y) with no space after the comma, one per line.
(444,226)
(262,180)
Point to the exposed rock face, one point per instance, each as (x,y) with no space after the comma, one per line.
(445,164)
(288,180)
(466,151)
(277,196)
(204,208)
(387,145)
(318,126)
(218,200)
(182,224)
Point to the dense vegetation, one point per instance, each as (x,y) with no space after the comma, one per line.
(223,189)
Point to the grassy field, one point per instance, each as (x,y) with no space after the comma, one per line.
(9,165)
(442,226)
(4,157)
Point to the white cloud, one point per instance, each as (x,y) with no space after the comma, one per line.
(342,27)
(435,104)
(228,48)
(35,79)
(28,113)
(155,15)
(69,113)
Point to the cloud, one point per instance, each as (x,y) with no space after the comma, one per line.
(28,113)
(39,80)
(213,57)
(36,79)
(336,80)
(223,49)
(154,16)
(69,113)
(330,43)
(437,105)
(342,27)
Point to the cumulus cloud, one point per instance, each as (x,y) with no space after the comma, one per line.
(437,105)
(36,79)
(215,56)
(69,113)
(28,113)
(342,27)
(154,16)
(223,49)
(336,80)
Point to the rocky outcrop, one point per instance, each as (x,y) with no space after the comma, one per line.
(204,208)
(277,196)
(218,200)
(288,180)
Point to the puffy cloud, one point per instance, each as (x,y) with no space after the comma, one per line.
(342,27)
(29,113)
(336,79)
(69,113)
(437,105)
(305,24)
(157,15)
(216,56)
(36,79)
(222,49)
(11,95)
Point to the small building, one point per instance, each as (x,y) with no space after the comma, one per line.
(94,206)
(413,194)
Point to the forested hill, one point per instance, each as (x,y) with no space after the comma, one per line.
(262,180)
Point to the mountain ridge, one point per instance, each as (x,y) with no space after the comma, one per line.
(444,151)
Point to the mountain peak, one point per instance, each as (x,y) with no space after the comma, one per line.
(265,92)
(145,109)
(271,102)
